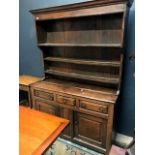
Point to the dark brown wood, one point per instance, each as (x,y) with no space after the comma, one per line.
(81,5)
(79,12)
(96,109)
(90,130)
(44,95)
(83,61)
(68,114)
(82,47)
(84,53)
(65,100)
(93,106)
(44,106)
(109,127)
(101,32)
(83,75)
(73,89)
(85,38)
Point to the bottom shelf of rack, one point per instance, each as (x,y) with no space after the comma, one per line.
(83,75)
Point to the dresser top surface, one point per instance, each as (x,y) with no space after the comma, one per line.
(80,90)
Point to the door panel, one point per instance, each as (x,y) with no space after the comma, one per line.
(90,129)
(68,114)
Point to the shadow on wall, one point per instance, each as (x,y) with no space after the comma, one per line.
(125,109)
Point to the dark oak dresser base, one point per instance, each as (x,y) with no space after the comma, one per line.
(90,111)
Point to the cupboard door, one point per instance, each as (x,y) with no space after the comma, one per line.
(68,114)
(45,107)
(90,130)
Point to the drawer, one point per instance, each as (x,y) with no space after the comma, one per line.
(93,106)
(44,95)
(65,100)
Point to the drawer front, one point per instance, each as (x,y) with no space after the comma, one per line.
(44,106)
(44,95)
(92,106)
(66,100)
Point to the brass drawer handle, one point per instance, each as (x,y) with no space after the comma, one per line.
(50,97)
(64,101)
(36,93)
(102,109)
(43,95)
(83,105)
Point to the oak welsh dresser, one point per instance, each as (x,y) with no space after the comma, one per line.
(82,47)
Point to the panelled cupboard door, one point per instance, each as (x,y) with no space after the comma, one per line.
(45,107)
(90,130)
(68,114)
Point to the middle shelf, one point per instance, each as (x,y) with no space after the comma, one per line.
(84,61)
(83,38)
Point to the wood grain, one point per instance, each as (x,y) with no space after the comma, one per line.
(81,12)
(94,37)
(82,5)
(99,77)
(71,89)
(37,130)
(84,61)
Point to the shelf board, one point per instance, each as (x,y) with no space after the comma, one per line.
(82,75)
(84,61)
(78,45)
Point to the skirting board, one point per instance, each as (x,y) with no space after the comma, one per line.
(121,139)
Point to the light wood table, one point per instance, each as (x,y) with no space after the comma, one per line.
(37,130)
(24,84)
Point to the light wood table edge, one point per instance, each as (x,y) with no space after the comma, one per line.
(24,87)
(44,146)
